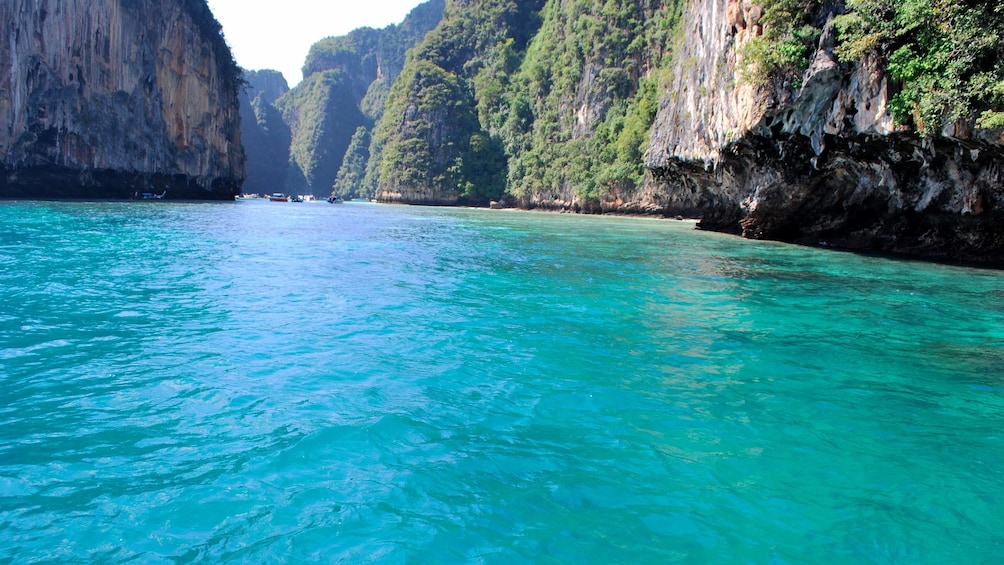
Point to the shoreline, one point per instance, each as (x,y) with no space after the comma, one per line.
(888,255)
(695,222)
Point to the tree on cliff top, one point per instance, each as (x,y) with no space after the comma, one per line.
(208,25)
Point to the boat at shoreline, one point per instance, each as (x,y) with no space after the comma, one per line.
(279,197)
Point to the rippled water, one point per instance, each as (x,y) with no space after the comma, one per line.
(259,382)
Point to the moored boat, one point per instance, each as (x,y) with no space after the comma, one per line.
(279,197)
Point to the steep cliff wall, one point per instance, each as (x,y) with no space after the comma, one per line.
(589,85)
(322,113)
(820,164)
(435,143)
(265,134)
(109,98)
(345,81)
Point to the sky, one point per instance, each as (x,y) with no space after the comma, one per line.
(277,34)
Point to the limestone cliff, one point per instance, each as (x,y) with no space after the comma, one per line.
(114,98)
(434,144)
(346,82)
(661,107)
(821,164)
(265,134)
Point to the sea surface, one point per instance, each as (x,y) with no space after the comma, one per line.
(259,382)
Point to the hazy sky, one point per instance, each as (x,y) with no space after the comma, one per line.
(277,34)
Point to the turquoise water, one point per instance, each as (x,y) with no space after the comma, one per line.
(257,382)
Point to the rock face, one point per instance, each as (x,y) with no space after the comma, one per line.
(823,164)
(431,146)
(116,98)
(346,82)
(604,86)
(266,136)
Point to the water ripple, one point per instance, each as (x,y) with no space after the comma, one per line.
(258,382)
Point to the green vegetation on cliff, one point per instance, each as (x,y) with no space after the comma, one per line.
(781,53)
(556,98)
(425,151)
(346,81)
(946,58)
(352,173)
(435,142)
(585,97)
(323,115)
(551,103)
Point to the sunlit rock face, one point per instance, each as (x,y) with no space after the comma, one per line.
(117,98)
(821,164)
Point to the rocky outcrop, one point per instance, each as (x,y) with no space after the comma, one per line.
(116,98)
(822,164)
